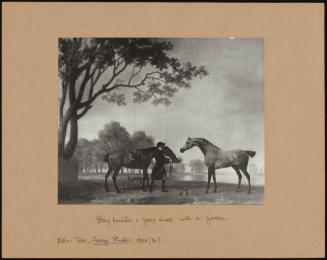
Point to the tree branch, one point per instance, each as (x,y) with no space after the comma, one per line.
(63,99)
(84,67)
(134,74)
(87,77)
(117,63)
(105,90)
(147,92)
(83,84)
(115,74)
(159,79)
(84,112)
(92,82)
(142,82)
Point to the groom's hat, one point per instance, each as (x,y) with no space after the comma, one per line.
(160,144)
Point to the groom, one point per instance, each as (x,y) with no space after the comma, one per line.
(159,171)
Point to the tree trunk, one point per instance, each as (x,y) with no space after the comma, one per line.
(67,170)
(66,152)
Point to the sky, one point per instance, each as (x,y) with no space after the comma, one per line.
(226,107)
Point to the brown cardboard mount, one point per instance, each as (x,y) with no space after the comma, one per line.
(291,221)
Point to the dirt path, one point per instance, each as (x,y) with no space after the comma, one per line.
(180,192)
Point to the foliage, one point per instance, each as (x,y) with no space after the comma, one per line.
(112,137)
(93,67)
(140,140)
(83,154)
(145,59)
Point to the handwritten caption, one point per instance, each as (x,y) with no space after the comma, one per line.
(108,241)
(148,221)
(144,221)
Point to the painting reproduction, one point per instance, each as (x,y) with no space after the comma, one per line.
(161,121)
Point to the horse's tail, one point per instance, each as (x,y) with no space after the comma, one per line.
(251,153)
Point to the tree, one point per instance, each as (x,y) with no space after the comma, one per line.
(83,154)
(97,155)
(197,166)
(114,137)
(89,155)
(140,140)
(94,67)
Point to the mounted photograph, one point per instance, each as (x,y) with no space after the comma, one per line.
(161,121)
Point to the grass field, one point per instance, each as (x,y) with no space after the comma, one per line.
(91,191)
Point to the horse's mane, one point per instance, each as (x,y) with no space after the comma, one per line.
(206,141)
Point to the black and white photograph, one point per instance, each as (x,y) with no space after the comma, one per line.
(161,121)
(163,130)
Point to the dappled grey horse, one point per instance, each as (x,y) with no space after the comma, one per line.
(137,159)
(215,158)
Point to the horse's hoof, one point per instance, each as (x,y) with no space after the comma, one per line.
(207,191)
(107,190)
(249,192)
(215,191)
(238,190)
(118,191)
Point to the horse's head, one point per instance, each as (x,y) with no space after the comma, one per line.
(188,145)
(169,153)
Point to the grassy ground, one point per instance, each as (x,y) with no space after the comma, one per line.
(180,192)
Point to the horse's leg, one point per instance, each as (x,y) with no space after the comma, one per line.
(237,170)
(145,178)
(248,178)
(114,179)
(106,178)
(143,181)
(214,179)
(151,186)
(209,178)
(163,180)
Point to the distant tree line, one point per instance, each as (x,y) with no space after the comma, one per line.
(112,137)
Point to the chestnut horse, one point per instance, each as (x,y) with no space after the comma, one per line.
(137,159)
(215,158)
